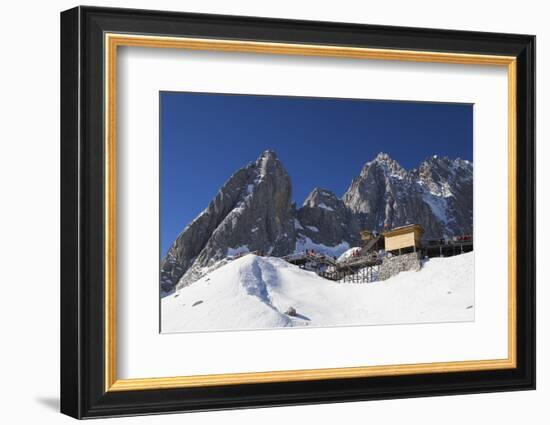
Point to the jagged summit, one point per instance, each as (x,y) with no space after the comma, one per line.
(437,159)
(268,162)
(438,195)
(325,220)
(383,163)
(320,196)
(382,156)
(253,211)
(269,153)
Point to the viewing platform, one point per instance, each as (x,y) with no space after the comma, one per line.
(380,252)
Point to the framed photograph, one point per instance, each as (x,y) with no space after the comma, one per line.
(261,212)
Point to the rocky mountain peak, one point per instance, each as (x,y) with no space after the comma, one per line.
(383,164)
(324,220)
(437,195)
(321,198)
(382,157)
(254,211)
(251,212)
(436,172)
(268,163)
(443,162)
(269,154)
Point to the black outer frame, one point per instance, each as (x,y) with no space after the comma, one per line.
(82,203)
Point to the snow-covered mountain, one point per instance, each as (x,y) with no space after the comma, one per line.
(253,211)
(265,292)
(438,195)
(326,224)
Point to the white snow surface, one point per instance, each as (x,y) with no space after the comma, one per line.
(438,206)
(239,250)
(347,254)
(325,207)
(255,292)
(303,243)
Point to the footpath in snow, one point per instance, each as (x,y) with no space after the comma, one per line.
(257,292)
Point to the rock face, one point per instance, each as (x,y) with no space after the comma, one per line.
(326,220)
(253,211)
(438,195)
(447,187)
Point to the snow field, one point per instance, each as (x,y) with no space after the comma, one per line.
(255,293)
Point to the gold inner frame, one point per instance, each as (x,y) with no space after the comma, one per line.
(113,41)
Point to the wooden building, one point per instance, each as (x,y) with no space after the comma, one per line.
(403,239)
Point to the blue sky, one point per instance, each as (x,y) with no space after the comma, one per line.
(321,142)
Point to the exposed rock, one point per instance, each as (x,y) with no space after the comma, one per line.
(326,220)
(438,195)
(291,311)
(396,264)
(251,212)
(447,187)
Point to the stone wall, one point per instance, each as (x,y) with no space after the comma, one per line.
(392,266)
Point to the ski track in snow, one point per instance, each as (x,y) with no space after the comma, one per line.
(255,292)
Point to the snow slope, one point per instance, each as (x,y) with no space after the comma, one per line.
(304,243)
(347,254)
(255,292)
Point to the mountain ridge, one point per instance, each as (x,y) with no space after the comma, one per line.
(254,211)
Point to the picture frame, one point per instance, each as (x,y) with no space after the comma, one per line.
(91,37)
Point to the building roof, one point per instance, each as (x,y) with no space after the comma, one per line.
(404,229)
